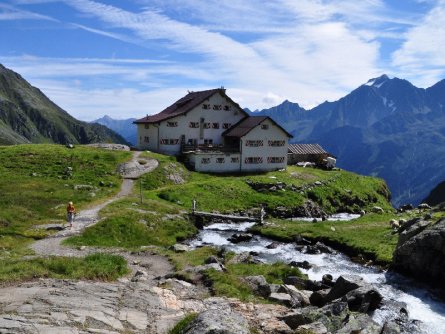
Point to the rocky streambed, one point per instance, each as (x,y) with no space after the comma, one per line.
(385,302)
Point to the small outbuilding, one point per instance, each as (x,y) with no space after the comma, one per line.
(307,153)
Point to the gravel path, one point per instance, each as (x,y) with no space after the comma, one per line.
(131,170)
(147,301)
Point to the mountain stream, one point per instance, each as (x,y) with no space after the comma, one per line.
(421,304)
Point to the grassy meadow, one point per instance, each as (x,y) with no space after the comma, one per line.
(35,186)
(36,181)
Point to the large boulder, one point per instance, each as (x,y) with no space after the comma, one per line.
(420,252)
(364,299)
(332,316)
(218,321)
(259,285)
(343,285)
(240,237)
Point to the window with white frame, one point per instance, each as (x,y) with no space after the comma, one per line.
(169,141)
(205,161)
(254,143)
(275,160)
(253,160)
(208,141)
(227,108)
(146,139)
(172,124)
(217,107)
(276,142)
(194,125)
(206,125)
(226,125)
(206,106)
(215,125)
(234,160)
(220,160)
(264,126)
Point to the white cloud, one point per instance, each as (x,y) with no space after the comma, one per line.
(422,55)
(306,51)
(10,13)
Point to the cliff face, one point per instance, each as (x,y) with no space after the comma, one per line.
(28,116)
(420,251)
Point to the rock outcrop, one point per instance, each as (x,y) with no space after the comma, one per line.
(420,251)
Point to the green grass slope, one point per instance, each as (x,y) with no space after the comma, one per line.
(27,115)
(35,186)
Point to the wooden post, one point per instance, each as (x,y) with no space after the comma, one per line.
(262,213)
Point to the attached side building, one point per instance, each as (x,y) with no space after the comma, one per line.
(214,134)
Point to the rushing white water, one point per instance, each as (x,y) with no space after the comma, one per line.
(335,217)
(421,304)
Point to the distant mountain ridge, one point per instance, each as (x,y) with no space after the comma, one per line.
(28,116)
(386,127)
(124,127)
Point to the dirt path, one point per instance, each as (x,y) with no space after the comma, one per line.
(130,171)
(147,301)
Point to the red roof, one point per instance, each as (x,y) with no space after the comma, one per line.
(244,126)
(184,105)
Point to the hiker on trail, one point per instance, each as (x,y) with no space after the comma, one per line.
(70,211)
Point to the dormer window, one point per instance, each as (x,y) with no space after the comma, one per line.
(172,124)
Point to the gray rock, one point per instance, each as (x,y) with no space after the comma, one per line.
(331,316)
(327,279)
(364,299)
(218,322)
(318,298)
(301,264)
(211,259)
(240,237)
(281,298)
(299,298)
(377,209)
(180,248)
(244,257)
(215,266)
(259,285)
(314,328)
(420,252)
(343,285)
(83,187)
(391,327)
(360,323)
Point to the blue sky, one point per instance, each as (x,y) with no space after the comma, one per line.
(131,58)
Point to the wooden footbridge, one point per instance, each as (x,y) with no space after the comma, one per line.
(234,218)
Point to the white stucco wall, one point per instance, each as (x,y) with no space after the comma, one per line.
(208,162)
(151,132)
(211,116)
(272,133)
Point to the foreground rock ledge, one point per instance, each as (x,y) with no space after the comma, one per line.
(420,251)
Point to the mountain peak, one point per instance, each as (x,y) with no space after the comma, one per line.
(377,82)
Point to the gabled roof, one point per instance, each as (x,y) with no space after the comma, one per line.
(184,105)
(306,149)
(247,124)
